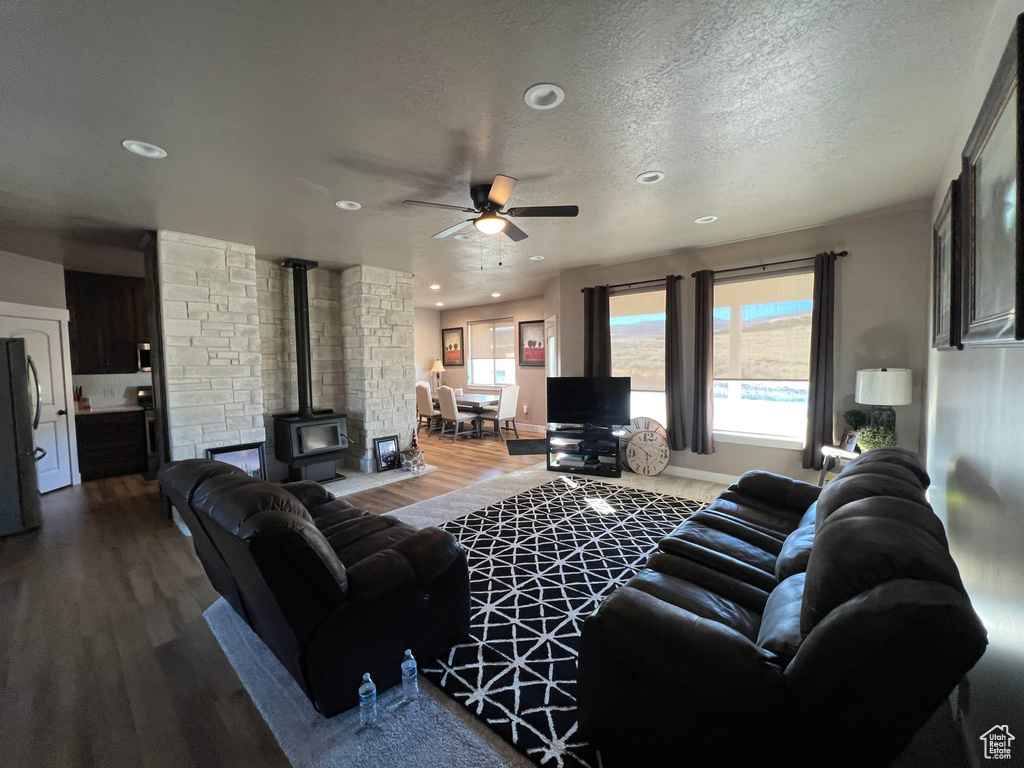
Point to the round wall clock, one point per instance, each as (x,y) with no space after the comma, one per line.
(641,424)
(647,453)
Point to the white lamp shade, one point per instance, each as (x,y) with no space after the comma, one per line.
(884,386)
(438,368)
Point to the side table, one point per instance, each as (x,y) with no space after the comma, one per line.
(836,457)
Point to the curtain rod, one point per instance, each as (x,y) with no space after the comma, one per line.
(655,281)
(774,263)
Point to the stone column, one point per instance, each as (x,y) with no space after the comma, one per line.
(377,338)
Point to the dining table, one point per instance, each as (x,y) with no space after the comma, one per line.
(476,403)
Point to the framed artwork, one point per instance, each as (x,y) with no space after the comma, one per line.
(531,344)
(452,347)
(249,457)
(848,441)
(386,453)
(992,291)
(946,272)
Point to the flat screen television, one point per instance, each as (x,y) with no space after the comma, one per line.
(600,401)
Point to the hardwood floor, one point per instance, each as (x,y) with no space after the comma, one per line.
(105,658)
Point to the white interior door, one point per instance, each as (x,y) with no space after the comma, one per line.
(43,343)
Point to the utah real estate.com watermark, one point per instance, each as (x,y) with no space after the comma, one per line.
(997,742)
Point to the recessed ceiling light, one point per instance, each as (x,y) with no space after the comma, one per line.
(460,237)
(536,258)
(348,205)
(439,304)
(705,220)
(495,295)
(144,149)
(435,287)
(544,96)
(650,177)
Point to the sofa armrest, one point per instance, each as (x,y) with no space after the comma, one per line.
(784,492)
(667,648)
(308,493)
(410,565)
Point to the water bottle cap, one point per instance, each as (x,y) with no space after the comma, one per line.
(366,677)
(408,652)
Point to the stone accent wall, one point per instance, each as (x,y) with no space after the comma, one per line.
(377,334)
(211,329)
(277,342)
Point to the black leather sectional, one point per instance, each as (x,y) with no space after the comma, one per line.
(332,590)
(780,627)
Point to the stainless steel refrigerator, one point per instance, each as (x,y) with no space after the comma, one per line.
(20,508)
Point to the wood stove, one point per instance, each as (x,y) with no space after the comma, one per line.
(309,441)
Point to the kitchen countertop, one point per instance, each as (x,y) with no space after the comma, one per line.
(110,409)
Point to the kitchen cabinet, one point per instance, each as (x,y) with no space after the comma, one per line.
(111,444)
(107,319)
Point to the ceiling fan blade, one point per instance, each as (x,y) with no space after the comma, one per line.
(544,210)
(452,230)
(440,205)
(501,189)
(514,232)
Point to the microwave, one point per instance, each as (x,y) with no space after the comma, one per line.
(142,355)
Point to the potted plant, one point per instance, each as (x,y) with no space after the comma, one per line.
(875,437)
(412,459)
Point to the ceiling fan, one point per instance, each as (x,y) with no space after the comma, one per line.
(488,200)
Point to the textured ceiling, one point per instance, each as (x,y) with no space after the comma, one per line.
(771,115)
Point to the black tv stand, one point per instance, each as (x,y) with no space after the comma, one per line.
(584,450)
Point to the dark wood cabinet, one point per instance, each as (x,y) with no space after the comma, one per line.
(107,321)
(111,444)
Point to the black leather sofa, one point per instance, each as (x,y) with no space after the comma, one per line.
(332,590)
(780,627)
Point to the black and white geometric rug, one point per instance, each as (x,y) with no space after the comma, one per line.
(539,564)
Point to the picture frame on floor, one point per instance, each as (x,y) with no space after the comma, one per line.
(453,346)
(992,291)
(251,458)
(386,453)
(531,344)
(946,266)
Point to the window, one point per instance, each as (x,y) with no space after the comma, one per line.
(762,351)
(492,352)
(638,349)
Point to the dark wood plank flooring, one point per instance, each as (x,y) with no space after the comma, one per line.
(105,658)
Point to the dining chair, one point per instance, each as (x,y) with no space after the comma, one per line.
(450,414)
(425,410)
(505,414)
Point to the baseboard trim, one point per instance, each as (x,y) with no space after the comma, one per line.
(699,474)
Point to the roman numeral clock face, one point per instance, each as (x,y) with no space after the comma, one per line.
(647,453)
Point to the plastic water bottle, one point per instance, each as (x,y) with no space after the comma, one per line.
(410,683)
(367,701)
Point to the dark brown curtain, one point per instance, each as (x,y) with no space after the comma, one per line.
(597,332)
(674,363)
(819,395)
(703,363)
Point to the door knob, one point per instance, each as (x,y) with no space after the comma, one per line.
(62,412)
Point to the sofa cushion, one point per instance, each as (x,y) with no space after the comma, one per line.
(230,500)
(758,514)
(698,600)
(848,488)
(781,491)
(309,494)
(185,476)
(780,625)
(867,543)
(894,456)
(361,537)
(328,515)
(796,551)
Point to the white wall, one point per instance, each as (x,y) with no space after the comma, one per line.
(426,325)
(975,419)
(111,390)
(31,281)
(881,316)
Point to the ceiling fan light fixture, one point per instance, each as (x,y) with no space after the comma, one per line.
(650,177)
(490,224)
(544,96)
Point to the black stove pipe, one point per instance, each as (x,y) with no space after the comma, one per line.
(300,292)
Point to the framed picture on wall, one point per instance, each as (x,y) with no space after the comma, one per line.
(453,347)
(992,294)
(386,453)
(946,264)
(531,344)
(249,457)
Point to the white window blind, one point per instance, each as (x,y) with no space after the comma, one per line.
(492,352)
(762,354)
(638,349)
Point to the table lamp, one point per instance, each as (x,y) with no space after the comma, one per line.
(882,388)
(438,369)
